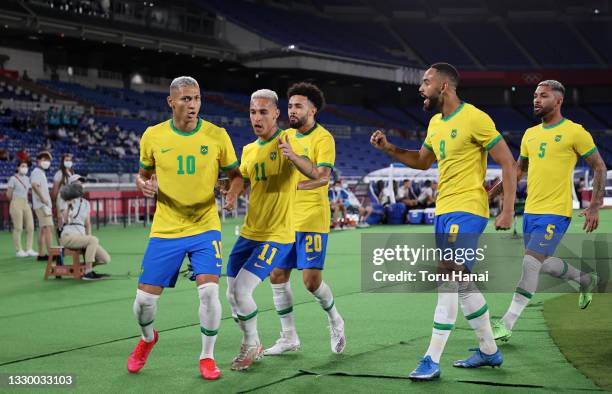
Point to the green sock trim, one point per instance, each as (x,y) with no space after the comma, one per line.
(330,306)
(523,292)
(248,317)
(441,326)
(209,333)
(285,311)
(565,268)
(478,313)
(146,324)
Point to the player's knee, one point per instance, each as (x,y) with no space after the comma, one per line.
(312,284)
(208,292)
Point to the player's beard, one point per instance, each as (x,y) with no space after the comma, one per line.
(434,103)
(542,112)
(296,124)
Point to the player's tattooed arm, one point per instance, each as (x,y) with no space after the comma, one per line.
(236,187)
(422,159)
(591,214)
(146,182)
(324,175)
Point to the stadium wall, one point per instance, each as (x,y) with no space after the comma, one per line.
(20,60)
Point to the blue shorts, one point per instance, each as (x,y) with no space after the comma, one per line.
(164,256)
(257,257)
(543,233)
(308,252)
(459,230)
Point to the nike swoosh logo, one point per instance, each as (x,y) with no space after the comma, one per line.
(220,265)
(257,265)
(531,139)
(311,258)
(166,150)
(542,244)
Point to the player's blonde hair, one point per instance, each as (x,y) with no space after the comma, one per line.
(183,81)
(265,94)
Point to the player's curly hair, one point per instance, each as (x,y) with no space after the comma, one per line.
(310,91)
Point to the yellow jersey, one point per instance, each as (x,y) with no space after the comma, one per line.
(460,142)
(312,212)
(552,152)
(273,180)
(187,165)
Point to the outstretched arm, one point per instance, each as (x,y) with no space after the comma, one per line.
(422,159)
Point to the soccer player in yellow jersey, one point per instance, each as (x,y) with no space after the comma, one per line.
(459,138)
(312,220)
(549,152)
(271,167)
(180,161)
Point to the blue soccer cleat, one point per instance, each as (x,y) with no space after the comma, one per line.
(426,370)
(479,359)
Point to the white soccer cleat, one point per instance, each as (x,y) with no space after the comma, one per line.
(286,343)
(338,340)
(247,356)
(21,253)
(32,253)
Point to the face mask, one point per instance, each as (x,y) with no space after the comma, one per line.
(45,164)
(68,164)
(337,188)
(23,170)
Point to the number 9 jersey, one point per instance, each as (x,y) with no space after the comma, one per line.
(187,166)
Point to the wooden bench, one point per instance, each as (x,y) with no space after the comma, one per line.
(76,269)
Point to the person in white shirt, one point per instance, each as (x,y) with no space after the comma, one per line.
(20,210)
(406,194)
(41,202)
(426,198)
(76,232)
(60,179)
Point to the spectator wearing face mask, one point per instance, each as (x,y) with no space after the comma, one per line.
(21,213)
(76,232)
(41,202)
(60,179)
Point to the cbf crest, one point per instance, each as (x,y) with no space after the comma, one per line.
(204,149)
(272,155)
(454,133)
(557,138)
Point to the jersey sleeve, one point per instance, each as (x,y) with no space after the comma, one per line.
(11,183)
(326,152)
(485,132)
(583,143)
(227,154)
(147,158)
(244,164)
(427,142)
(524,152)
(57,177)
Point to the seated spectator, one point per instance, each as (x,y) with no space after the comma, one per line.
(426,197)
(407,194)
(76,232)
(337,197)
(4,155)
